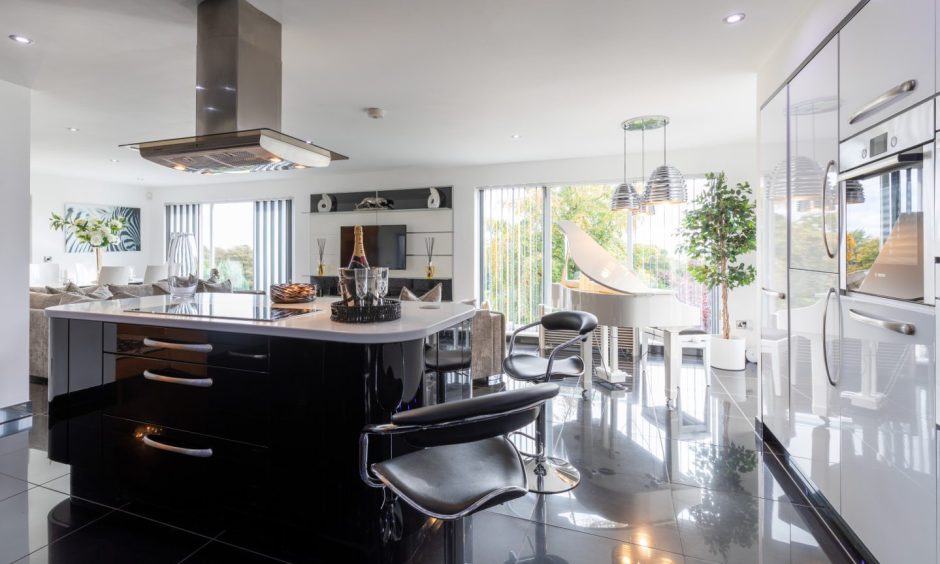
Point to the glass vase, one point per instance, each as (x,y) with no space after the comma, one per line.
(182,265)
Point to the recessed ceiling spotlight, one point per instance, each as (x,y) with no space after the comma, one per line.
(21,39)
(516,136)
(734,18)
(115,161)
(375,113)
(72,129)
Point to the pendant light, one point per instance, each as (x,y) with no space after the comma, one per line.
(625,196)
(666,184)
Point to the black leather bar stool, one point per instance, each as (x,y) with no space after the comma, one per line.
(548,474)
(466,463)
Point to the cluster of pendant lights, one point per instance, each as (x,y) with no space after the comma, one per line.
(666,184)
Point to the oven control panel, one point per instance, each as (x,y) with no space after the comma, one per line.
(900,133)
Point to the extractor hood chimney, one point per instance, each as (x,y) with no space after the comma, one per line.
(238,100)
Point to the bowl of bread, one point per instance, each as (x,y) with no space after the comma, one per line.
(293,293)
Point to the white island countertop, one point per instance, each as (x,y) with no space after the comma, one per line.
(418,319)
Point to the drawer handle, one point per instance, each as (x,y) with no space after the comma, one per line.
(195,382)
(248,355)
(198,347)
(195,452)
(883,100)
(890,325)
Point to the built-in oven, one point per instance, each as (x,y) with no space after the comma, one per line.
(886,181)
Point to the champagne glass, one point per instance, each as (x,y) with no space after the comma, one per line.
(381,283)
(362,284)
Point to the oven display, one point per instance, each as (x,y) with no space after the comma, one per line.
(878,145)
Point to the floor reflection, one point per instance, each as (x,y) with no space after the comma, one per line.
(686,483)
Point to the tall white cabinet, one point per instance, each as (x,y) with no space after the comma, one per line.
(773,212)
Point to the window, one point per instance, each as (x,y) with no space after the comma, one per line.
(249,243)
(515,252)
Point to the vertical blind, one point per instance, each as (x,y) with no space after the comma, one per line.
(273,242)
(182,218)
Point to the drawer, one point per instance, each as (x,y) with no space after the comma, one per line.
(185,473)
(232,350)
(205,399)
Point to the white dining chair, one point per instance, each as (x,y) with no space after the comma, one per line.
(44,274)
(114,275)
(154,273)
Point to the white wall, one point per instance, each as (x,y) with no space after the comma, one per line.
(51,193)
(14,252)
(739,161)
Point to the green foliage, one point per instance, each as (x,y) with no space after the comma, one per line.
(233,263)
(720,227)
(589,207)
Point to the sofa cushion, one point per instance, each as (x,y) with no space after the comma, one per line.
(71,287)
(133,290)
(98,293)
(432,295)
(214,287)
(42,301)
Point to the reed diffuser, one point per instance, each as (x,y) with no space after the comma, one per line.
(321,250)
(429,248)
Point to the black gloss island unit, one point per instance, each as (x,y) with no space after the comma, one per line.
(245,429)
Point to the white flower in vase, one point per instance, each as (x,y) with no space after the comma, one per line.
(97,239)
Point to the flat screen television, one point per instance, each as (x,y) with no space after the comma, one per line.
(385,245)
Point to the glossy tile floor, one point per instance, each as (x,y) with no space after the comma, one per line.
(688,484)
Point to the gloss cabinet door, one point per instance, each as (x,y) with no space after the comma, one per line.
(772,228)
(815,362)
(889,471)
(814,163)
(886,62)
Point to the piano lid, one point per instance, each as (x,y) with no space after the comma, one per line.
(597,264)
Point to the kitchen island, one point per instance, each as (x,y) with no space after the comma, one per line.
(243,428)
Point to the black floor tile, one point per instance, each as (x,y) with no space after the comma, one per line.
(123,538)
(34,518)
(221,553)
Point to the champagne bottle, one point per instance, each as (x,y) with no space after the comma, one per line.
(358,259)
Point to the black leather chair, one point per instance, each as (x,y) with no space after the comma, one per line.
(466,462)
(548,474)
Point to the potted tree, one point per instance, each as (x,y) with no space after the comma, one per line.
(720,227)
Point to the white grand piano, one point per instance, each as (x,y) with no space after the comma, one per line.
(617,296)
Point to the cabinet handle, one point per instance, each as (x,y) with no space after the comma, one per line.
(826,354)
(195,347)
(883,100)
(825,185)
(774,293)
(195,452)
(196,382)
(890,325)
(248,355)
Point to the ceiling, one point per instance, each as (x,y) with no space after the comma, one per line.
(457,78)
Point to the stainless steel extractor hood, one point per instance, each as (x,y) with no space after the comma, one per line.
(238,100)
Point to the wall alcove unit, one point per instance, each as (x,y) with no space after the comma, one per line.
(425,212)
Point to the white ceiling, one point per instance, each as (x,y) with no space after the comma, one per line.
(457,78)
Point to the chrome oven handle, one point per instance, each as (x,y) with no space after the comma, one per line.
(195,452)
(825,185)
(825,353)
(889,324)
(195,382)
(192,347)
(883,100)
(877,168)
(774,293)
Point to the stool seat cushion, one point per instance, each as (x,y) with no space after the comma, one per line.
(453,481)
(531,367)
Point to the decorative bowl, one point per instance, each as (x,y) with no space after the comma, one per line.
(297,293)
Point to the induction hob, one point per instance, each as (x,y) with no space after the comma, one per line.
(246,307)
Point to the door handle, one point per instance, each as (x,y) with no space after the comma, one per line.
(825,186)
(195,452)
(825,353)
(889,324)
(195,382)
(192,347)
(774,293)
(883,100)
(248,355)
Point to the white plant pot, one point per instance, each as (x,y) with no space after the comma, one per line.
(727,354)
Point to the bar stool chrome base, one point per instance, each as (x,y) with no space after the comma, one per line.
(551,475)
